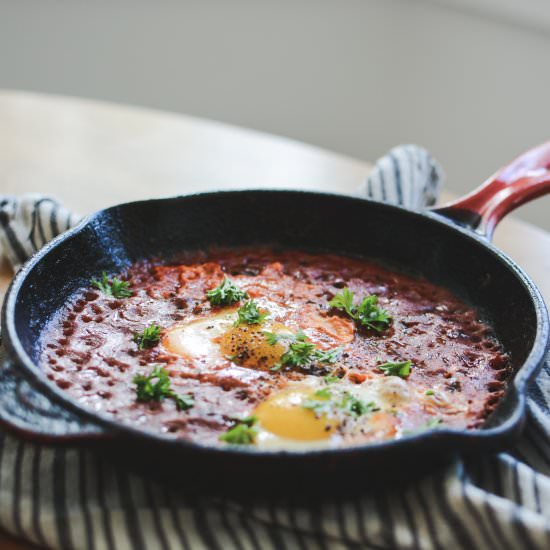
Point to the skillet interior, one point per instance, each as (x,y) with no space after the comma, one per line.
(422,244)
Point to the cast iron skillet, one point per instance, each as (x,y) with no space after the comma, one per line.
(449,246)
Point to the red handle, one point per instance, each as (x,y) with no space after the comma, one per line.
(523,180)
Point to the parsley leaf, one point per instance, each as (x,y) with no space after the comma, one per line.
(371,316)
(355,407)
(331,378)
(242,433)
(324,393)
(148,338)
(322,404)
(226,293)
(329,356)
(148,390)
(274,337)
(327,402)
(183,402)
(250,314)
(115,287)
(402,369)
(366,314)
(344,300)
(301,352)
(271,337)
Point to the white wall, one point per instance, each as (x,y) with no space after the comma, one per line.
(356,76)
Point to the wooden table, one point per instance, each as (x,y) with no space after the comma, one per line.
(92,155)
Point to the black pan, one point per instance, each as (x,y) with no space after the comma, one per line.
(449,246)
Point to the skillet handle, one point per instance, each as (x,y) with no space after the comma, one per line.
(29,414)
(523,180)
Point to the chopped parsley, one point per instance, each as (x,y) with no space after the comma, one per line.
(322,405)
(366,314)
(323,393)
(274,338)
(149,337)
(326,402)
(301,352)
(226,293)
(149,390)
(242,433)
(331,378)
(402,369)
(115,287)
(351,405)
(344,300)
(250,314)
(330,356)
(429,392)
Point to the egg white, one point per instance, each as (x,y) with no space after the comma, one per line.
(195,340)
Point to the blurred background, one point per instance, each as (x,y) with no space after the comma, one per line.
(468,79)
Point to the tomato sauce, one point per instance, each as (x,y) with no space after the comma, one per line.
(458,369)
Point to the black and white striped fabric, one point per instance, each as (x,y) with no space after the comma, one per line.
(70,498)
(28,223)
(407,175)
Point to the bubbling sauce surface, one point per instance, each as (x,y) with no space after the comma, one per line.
(458,368)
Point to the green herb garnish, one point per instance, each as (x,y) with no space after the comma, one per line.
(323,393)
(327,401)
(429,392)
(226,293)
(242,433)
(274,338)
(115,287)
(301,352)
(356,407)
(330,378)
(148,390)
(250,314)
(366,314)
(344,300)
(402,369)
(329,356)
(321,405)
(148,338)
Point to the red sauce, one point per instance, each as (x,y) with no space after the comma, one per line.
(458,371)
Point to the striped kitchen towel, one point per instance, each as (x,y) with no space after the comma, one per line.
(71,498)
(28,223)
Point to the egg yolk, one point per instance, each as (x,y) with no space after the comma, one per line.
(247,346)
(283,415)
